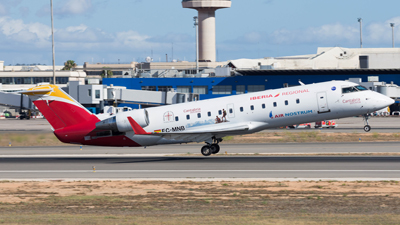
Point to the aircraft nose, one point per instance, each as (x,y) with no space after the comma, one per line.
(384,101)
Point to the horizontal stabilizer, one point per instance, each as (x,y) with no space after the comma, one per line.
(136,127)
(33,92)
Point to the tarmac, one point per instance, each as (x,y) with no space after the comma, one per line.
(352,124)
(183,162)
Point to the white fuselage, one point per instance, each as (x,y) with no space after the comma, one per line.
(261,110)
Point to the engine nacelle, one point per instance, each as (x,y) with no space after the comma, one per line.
(120,121)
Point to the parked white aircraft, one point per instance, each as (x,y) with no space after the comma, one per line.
(207,120)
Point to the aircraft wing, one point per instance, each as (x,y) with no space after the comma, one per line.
(204,132)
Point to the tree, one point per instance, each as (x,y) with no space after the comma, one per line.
(69,64)
(108,72)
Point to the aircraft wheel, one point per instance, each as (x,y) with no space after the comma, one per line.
(206,150)
(214,148)
(367,128)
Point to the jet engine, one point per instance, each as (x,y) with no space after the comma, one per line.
(120,122)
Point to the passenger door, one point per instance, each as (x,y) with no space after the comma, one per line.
(322,102)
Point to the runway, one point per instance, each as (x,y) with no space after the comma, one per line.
(159,163)
(165,150)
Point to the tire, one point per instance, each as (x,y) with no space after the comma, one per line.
(367,128)
(214,148)
(206,150)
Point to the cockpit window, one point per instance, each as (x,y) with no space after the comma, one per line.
(361,88)
(353,89)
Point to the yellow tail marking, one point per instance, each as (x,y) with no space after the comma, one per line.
(56,92)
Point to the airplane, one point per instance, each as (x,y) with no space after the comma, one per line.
(206,120)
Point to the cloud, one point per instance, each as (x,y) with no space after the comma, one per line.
(381,32)
(21,32)
(68,8)
(74,7)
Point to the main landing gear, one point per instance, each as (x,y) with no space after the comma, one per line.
(367,127)
(213,148)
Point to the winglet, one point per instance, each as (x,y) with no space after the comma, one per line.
(136,127)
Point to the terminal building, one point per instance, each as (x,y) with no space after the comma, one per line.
(378,69)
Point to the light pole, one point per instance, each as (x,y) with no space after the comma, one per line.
(392,25)
(360,21)
(52,37)
(196,26)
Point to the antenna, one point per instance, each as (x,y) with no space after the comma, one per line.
(52,41)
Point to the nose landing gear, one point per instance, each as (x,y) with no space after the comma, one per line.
(209,149)
(367,127)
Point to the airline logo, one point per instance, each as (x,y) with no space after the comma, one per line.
(168,117)
(276,116)
(263,96)
(352,101)
(195,110)
(290,114)
(297,113)
(277,95)
(295,92)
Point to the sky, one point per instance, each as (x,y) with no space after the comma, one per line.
(112,31)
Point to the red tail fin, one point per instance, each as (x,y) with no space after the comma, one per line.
(60,109)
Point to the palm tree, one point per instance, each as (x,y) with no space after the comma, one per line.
(109,73)
(68,65)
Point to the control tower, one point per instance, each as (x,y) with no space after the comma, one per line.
(206,9)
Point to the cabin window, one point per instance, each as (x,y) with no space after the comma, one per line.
(176,118)
(286,102)
(230,111)
(209,114)
(297,101)
(263,106)
(220,112)
(252,107)
(188,117)
(90,92)
(198,115)
(275,105)
(241,109)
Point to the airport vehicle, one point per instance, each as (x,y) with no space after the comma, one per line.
(326,124)
(205,121)
(302,125)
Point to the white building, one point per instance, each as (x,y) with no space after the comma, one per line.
(327,58)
